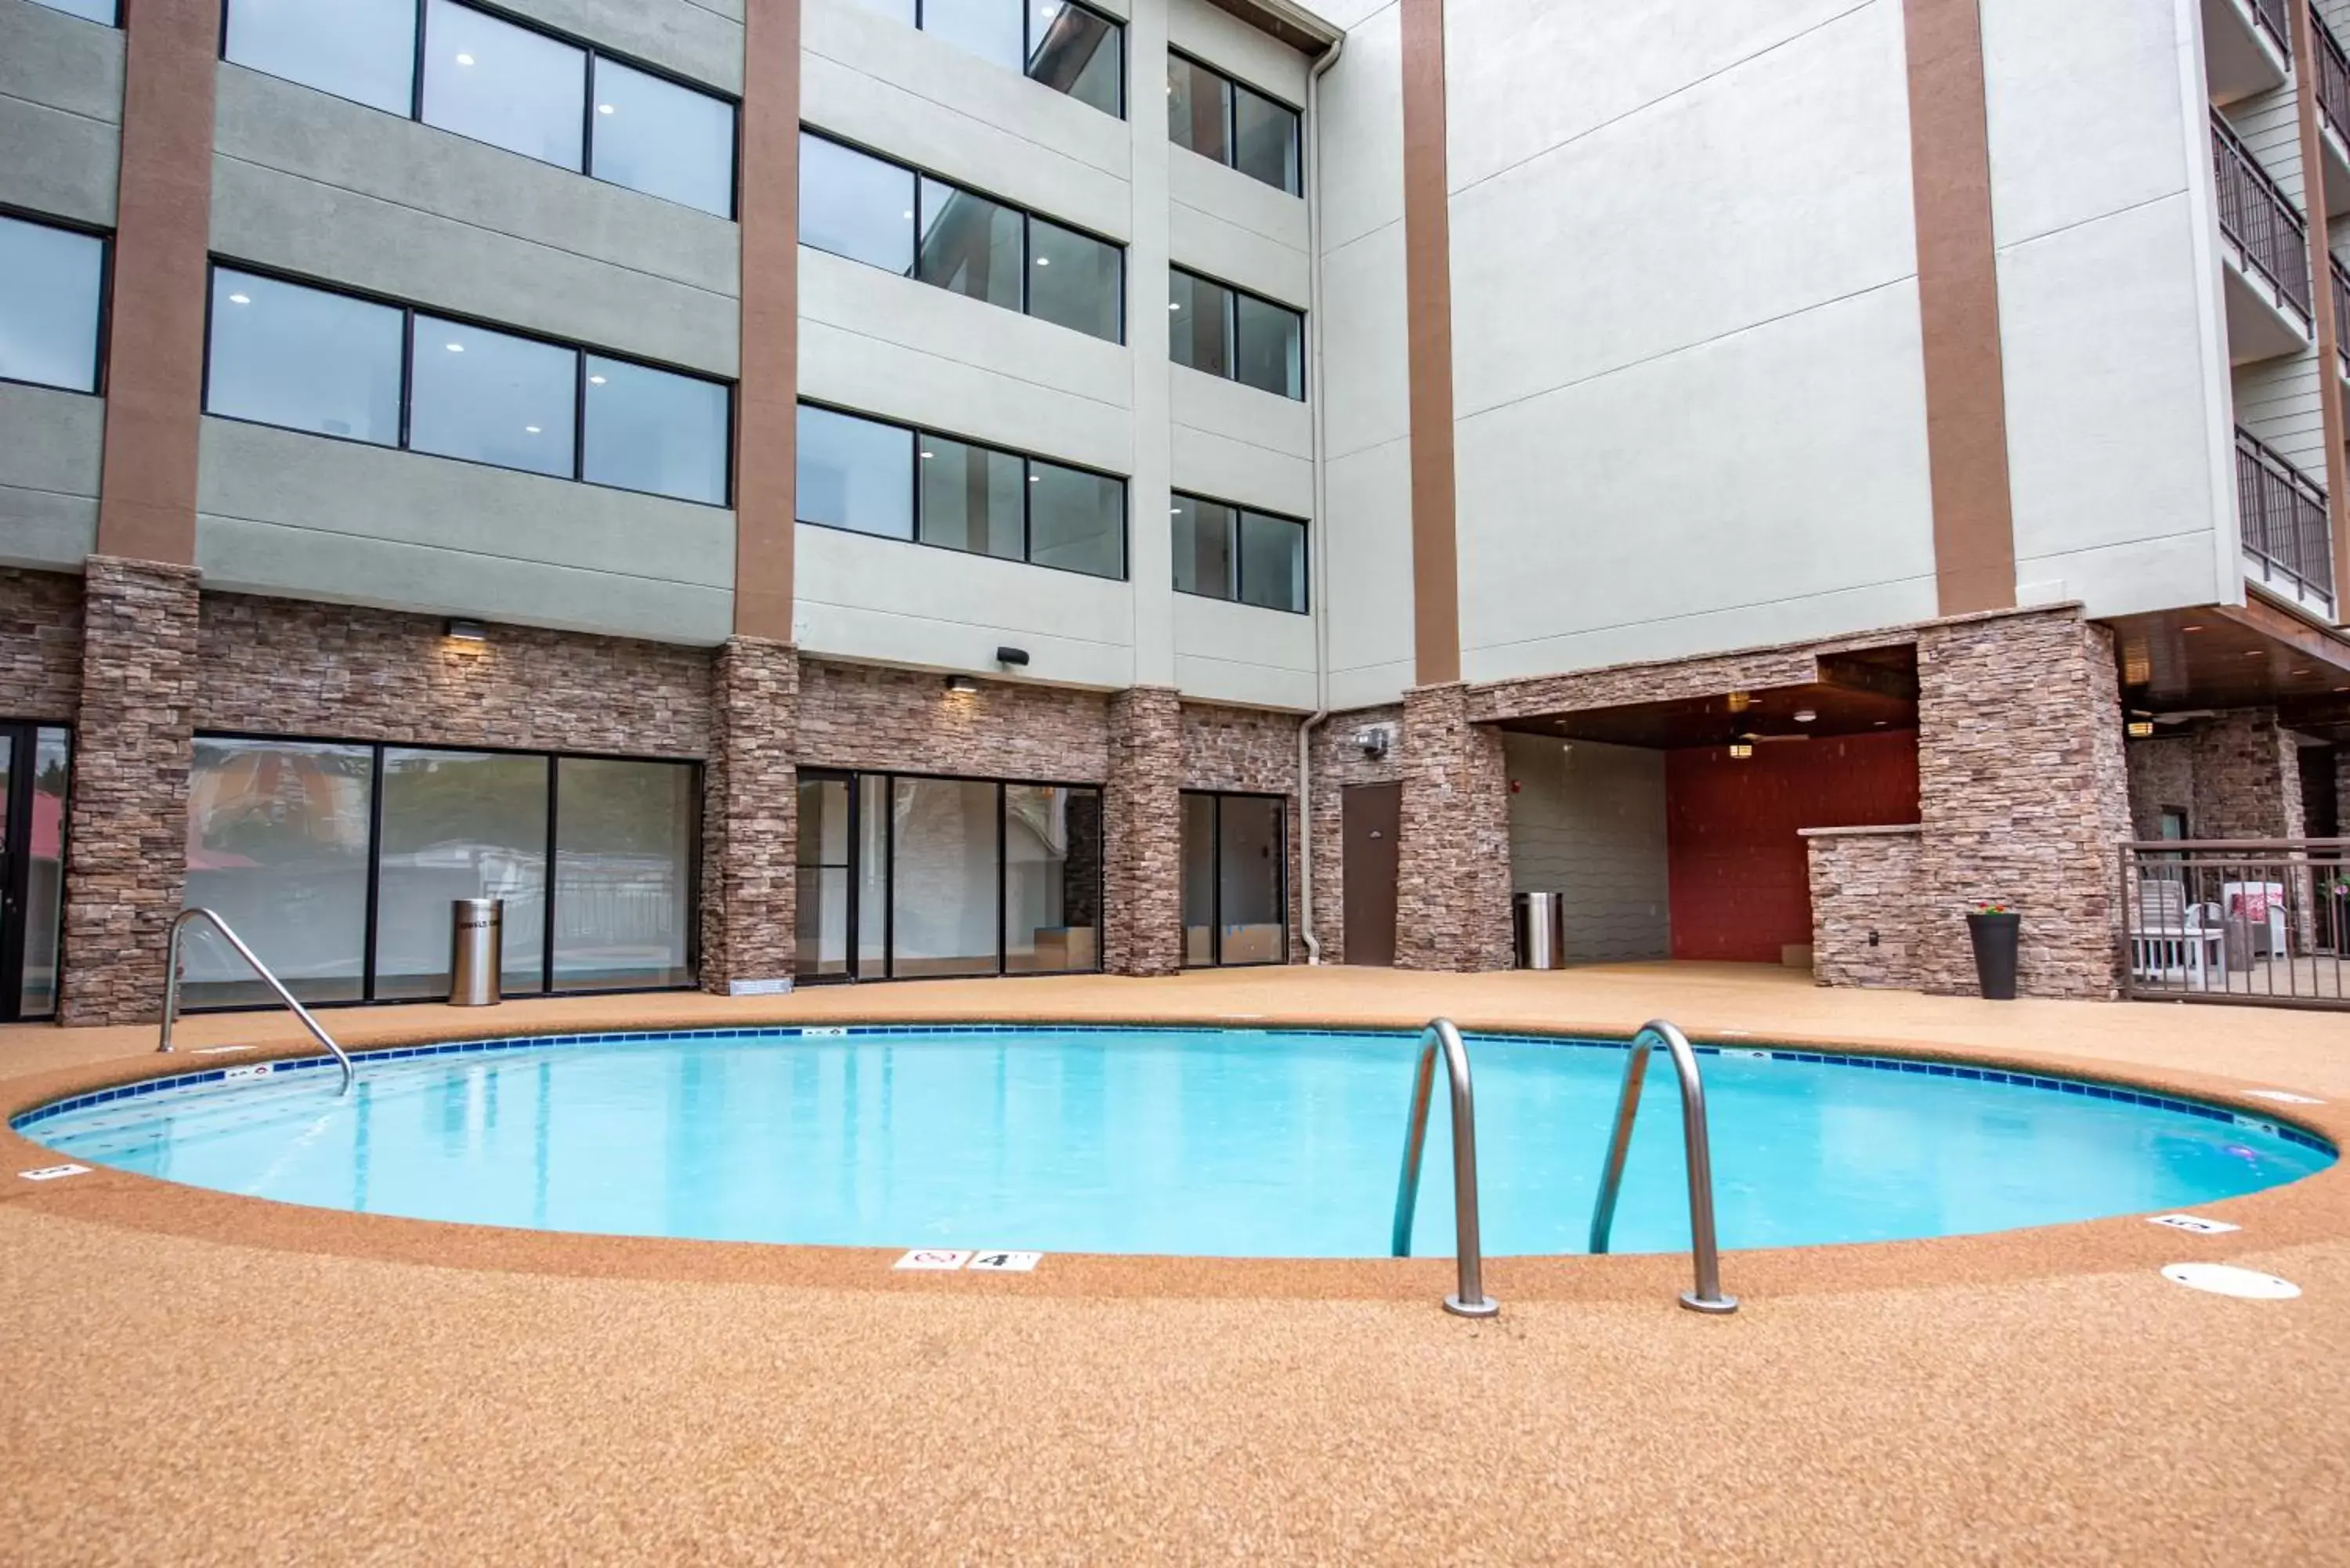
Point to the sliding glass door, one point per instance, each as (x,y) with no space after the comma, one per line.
(1235,891)
(34,761)
(939,876)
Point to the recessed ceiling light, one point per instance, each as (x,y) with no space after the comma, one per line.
(594,381)
(240,299)
(926,454)
(1043,261)
(2253,653)
(603,108)
(2190,628)
(530,430)
(1033,478)
(1173,306)
(465,59)
(1174,511)
(1804,715)
(907,213)
(456,347)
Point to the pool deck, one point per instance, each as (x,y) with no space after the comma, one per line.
(194,1377)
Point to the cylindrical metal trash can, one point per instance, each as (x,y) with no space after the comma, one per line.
(476,951)
(1538,920)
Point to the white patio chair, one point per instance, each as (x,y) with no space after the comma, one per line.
(2173,939)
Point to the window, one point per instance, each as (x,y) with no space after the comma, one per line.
(1236,125)
(946,877)
(34,760)
(501,82)
(290,839)
(1224,553)
(304,359)
(1067,47)
(49,305)
(99,11)
(312,359)
(870,476)
(1219,330)
(1235,894)
(870,210)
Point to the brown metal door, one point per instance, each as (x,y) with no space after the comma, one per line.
(1370,814)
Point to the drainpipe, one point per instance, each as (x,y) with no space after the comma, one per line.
(1318,576)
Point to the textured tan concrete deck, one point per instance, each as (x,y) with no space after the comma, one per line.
(192,1377)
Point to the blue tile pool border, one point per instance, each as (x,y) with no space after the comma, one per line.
(2010,1077)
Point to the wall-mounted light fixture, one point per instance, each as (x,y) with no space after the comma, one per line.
(963,683)
(2139,729)
(1013,656)
(464,630)
(1740,701)
(1741,748)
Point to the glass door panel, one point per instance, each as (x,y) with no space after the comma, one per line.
(1198,879)
(1250,923)
(825,874)
(458,825)
(945,839)
(34,866)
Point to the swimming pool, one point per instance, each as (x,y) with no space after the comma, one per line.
(1245,1143)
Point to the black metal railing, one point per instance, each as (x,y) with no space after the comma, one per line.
(2332,77)
(2252,921)
(2271,18)
(2258,219)
(2283,520)
(2340,312)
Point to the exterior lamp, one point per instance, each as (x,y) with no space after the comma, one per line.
(962,683)
(464,630)
(2139,729)
(1741,748)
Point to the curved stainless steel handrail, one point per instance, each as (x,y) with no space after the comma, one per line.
(1708,1297)
(171,986)
(1470,1300)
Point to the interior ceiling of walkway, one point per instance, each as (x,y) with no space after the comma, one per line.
(2176,664)
(1857,694)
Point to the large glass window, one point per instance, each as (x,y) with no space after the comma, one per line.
(856,205)
(867,209)
(1272,561)
(364,50)
(873,477)
(504,84)
(1203,547)
(304,359)
(34,760)
(988,29)
(1224,553)
(1052,879)
(282,834)
(458,825)
(656,431)
(943,882)
(1065,46)
(1235,894)
(496,81)
(491,397)
(1219,330)
(624,848)
(664,139)
(99,11)
(1237,126)
(50,283)
(970,245)
(308,359)
(277,843)
(973,498)
(855,473)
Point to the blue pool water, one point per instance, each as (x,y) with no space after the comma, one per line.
(1240,1143)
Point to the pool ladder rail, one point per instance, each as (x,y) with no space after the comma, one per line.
(1469,1299)
(171,985)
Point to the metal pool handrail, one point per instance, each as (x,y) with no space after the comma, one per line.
(1470,1300)
(1708,1297)
(171,985)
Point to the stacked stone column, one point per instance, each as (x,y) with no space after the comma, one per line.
(134,741)
(2023,797)
(750,820)
(1142,811)
(1453,873)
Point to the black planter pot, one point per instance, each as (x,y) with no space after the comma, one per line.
(1995,940)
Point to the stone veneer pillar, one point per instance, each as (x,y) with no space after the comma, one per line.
(2023,798)
(126,866)
(2247,778)
(1452,872)
(1142,811)
(750,936)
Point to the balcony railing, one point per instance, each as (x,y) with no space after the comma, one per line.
(2272,18)
(2285,522)
(2341,313)
(2333,77)
(2259,219)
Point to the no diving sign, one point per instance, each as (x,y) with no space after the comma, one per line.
(988,1261)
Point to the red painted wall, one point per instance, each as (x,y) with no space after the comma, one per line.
(1741,882)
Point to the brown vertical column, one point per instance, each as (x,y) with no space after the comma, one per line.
(1142,817)
(749,891)
(155,364)
(126,855)
(767,403)
(2321,277)
(1428,287)
(2023,798)
(1452,855)
(1958,308)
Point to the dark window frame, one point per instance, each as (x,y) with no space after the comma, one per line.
(1232,569)
(1216,879)
(410,310)
(1028,501)
(102,350)
(1233,294)
(592,52)
(18,806)
(1028,46)
(116,24)
(553,759)
(1233,123)
(1028,217)
(854,777)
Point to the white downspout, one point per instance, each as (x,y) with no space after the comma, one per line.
(1318,573)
